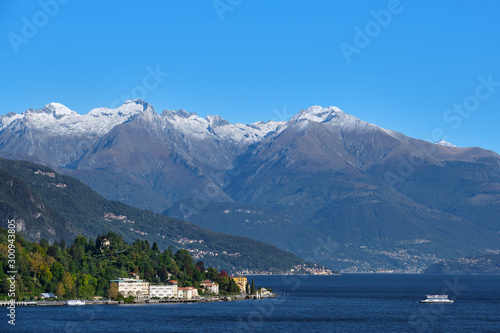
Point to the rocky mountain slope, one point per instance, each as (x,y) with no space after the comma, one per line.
(325,185)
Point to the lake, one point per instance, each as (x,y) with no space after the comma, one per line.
(346,303)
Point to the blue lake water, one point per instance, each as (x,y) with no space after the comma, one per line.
(346,303)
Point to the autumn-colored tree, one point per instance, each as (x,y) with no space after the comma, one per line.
(68,282)
(35,260)
(60,291)
(45,272)
(201,266)
(113,290)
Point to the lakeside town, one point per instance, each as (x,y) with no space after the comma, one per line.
(136,290)
(111,271)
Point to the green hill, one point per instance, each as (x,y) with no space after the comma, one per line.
(47,205)
(86,268)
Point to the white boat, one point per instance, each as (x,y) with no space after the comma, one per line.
(76,302)
(437,299)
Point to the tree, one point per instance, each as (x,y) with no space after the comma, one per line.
(201,266)
(60,289)
(51,251)
(45,273)
(247,288)
(212,274)
(113,290)
(68,282)
(163,274)
(233,287)
(183,257)
(44,243)
(252,288)
(156,248)
(57,270)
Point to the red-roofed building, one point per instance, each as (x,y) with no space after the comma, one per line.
(211,287)
(187,292)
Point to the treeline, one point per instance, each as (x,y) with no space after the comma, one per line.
(84,269)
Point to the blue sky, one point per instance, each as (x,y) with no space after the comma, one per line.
(425,68)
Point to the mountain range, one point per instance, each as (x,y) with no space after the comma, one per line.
(325,185)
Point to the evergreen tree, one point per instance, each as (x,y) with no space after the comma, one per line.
(233,287)
(155,248)
(252,288)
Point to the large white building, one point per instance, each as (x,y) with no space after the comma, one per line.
(162,291)
(132,287)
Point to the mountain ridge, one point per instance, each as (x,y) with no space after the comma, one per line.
(323,172)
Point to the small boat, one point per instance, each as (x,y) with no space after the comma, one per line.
(76,302)
(437,299)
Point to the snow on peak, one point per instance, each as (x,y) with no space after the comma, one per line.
(9,118)
(216,121)
(59,110)
(213,127)
(445,144)
(317,114)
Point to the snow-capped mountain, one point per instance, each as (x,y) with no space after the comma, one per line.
(57,119)
(445,143)
(323,172)
(54,129)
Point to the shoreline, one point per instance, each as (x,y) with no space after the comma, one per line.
(141,302)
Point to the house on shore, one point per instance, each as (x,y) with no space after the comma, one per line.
(211,287)
(187,293)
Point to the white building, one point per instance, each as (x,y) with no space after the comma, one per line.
(132,287)
(162,291)
(211,287)
(187,292)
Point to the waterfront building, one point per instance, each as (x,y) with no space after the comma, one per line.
(241,281)
(187,293)
(132,287)
(163,291)
(211,287)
